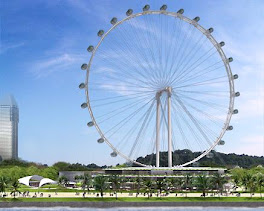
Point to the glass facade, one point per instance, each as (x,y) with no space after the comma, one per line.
(9,118)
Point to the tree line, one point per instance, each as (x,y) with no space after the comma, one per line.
(218,159)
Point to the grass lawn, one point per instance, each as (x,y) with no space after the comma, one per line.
(140,199)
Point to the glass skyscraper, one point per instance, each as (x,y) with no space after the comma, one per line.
(9,118)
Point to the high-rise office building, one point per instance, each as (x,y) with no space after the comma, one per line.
(9,117)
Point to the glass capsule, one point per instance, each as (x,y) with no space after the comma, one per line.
(235,76)
(90,124)
(82,85)
(113,21)
(163,7)
(90,48)
(146,8)
(237,94)
(235,111)
(129,12)
(196,19)
(222,44)
(84,66)
(181,11)
(100,140)
(210,30)
(84,105)
(113,154)
(100,33)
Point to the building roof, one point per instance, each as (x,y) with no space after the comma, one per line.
(8,100)
(42,181)
(166,168)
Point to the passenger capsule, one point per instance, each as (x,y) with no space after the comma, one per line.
(235,76)
(237,94)
(129,12)
(84,105)
(90,48)
(113,21)
(222,44)
(221,142)
(84,66)
(210,155)
(100,140)
(210,30)
(181,11)
(82,85)
(235,111)
(100,33)
(113,154)
(230,127)
(196,19)
(230,59)
(163,7)
(90,124)
(146,8)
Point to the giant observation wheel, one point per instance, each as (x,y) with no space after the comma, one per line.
(158,81)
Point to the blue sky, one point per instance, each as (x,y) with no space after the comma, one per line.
(43,44)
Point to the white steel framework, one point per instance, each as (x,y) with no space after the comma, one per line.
(168,90)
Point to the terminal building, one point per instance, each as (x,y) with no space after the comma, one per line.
(9,118)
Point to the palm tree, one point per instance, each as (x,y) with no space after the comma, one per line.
(63,180)
(15,186)
(87,181)
(202,183)
(252,184)
(3,184)
(115,182)
(138,181)
(160,186)
(245,180)
(218,181)
(148,186)
(100,184)
(187,182)
(260,181)
(236,178)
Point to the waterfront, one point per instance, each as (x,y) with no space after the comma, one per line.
(135,209)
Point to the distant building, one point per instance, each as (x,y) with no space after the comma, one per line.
(9,118)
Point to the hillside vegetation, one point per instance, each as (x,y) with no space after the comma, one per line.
(218,160)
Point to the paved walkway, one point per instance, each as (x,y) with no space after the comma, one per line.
(80,195)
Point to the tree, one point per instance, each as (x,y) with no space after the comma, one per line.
(160,186)
(87,181)
(202,183)
(61,166)
(115,181)
(260,182)
(187,183)
(100,184)
(138,181)
(218,181)
(252,184)
(148,186)
(3,184)
(245,179)
(49,172)
(63,180)
(14,188)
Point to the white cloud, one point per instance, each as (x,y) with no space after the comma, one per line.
(47,66)
(7,47)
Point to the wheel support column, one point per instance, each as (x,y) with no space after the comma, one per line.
(158,130)
(169,129)
(158,94)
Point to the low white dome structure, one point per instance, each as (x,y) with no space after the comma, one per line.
(35,181)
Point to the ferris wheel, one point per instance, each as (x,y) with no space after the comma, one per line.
(158,81)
